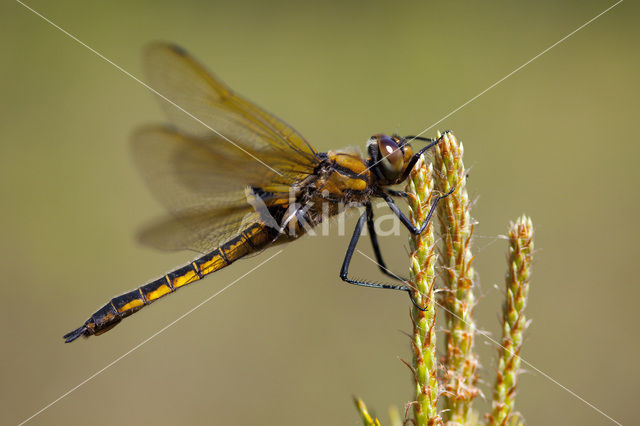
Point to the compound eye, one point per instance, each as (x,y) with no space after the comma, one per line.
(392,157)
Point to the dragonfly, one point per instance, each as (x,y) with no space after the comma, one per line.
(237,180)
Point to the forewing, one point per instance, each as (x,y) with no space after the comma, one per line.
(202,169)
(199,104)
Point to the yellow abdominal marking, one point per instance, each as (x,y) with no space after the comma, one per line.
(131,305)
(212,265)
(232,248)
(187,278)
(158,293)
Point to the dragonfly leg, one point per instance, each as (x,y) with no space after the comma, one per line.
(395,193)
(405,220)
(344,271)
(376,246)
(416,156)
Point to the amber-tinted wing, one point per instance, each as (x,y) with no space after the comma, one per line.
(200,104)
(221,145)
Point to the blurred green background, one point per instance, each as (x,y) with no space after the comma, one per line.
(290,343)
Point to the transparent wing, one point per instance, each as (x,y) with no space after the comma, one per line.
(200,102)
(200,231)
(190,174)
(204,185)
(201,169)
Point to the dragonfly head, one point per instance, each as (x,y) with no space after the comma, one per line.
(389,157)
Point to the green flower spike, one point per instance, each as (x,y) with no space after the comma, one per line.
(514,321)
(460,377)
(422,277)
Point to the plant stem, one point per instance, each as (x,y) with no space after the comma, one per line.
(460,377)
(514,321)
(422,277)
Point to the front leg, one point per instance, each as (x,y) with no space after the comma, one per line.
(405,220)
(414,159)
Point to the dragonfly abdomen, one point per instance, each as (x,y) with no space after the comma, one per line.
(251,240)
